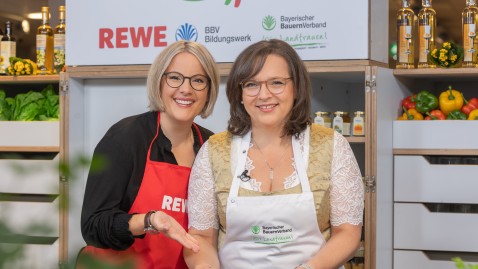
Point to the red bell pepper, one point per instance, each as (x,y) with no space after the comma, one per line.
(470,105)
(435,115)
(409,102)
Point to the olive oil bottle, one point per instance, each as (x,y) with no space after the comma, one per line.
(427,25)
(406,21)
(44,44)
(469,26)
(59,41)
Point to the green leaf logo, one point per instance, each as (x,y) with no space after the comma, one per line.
(269,23)
(255,229)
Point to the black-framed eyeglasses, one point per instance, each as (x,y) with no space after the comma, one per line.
(197,82)
(274,85)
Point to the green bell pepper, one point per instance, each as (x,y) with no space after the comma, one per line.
(426,101)
(456,115)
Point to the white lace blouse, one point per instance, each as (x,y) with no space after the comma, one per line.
(346,189)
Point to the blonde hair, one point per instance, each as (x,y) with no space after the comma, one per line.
(162,62)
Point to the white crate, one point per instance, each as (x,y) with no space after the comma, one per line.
(407,259)
(35,256)
(416,180)
(30,133)
(417,228)
(30,176)
(435,134)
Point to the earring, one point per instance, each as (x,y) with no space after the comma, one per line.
(242,102)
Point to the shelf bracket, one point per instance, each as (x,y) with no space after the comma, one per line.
(64,86)
(370,183)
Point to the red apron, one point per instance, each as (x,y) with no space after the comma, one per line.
(164,187)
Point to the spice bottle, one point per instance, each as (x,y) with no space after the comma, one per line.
(358,124)
(341,122)
(323,118)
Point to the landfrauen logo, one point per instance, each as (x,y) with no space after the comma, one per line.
(269,22)
(255,229)
(186,32)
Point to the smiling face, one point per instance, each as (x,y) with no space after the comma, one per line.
(183,104)
(267,109)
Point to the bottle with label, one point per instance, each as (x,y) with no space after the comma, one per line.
(59,41)
(469,27)
(8,47)
(341,122)
(358,124)
(406,43)
(323,118)
(427,25)
(44,44)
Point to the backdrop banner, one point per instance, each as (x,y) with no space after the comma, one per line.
(121,32)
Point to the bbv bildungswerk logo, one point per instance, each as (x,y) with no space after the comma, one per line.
(186,32)
(268,23)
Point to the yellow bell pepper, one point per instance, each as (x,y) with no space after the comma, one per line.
(473,115)
(411,114)
(450,100)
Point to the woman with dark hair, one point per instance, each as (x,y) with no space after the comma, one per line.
(274,190)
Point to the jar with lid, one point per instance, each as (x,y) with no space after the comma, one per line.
(341,122)
(323,118)
(358,124)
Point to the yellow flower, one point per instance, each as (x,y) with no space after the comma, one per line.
(447,45)
(19,66)
(434,53)
(1,59)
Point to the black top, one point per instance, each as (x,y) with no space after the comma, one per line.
(112,187)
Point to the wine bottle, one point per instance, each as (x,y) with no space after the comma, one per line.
(44,44)
(59,41)
(426,33)
(8,48)
(406,42)
(469,27)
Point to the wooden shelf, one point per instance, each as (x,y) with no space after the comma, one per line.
(29,79)
(439,73)
(355,139)
(435,152)
(141,71)
(29,149)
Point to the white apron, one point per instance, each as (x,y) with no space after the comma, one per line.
(277,231)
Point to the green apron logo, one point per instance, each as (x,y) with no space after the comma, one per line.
(255,229)
(269,23)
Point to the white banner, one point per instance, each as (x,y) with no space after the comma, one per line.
(119,32)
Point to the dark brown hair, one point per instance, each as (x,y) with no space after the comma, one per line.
(248,64)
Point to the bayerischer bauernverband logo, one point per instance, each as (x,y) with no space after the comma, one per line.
(187,32)
(269,22)
(255,229)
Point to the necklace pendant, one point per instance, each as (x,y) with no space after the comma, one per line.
(271,174)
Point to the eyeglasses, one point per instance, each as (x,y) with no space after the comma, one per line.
(274,85)
(197,82)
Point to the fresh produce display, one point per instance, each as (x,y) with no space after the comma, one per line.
(30,106)
(473,115)
(450,100)
(411,114)
(449,105)
(21,67)
(426,101)
(470,105)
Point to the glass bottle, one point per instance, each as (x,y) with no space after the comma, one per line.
(323,118)
(405,29)
(8,48)
(469,25)
(59,40)
(426,33)
(358,124)
(44,44)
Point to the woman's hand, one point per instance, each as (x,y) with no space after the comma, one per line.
(168,226)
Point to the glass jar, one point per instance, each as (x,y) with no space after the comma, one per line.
(323,118)
(358,124)
(341,122)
